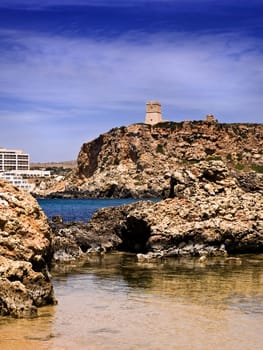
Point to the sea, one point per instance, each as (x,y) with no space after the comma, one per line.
(114,302)
(79,209)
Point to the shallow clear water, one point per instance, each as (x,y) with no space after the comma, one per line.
(115,302)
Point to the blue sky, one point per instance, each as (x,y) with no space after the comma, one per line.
(73,69)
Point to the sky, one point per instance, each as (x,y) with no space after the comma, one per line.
(73,69)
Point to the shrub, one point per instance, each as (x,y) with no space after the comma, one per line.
(116,161)
(159,149)
(229,157)
(239,156)
(240,166)
(257,168)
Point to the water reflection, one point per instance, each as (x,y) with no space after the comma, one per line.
(217,281)
(114,302)
(27,334)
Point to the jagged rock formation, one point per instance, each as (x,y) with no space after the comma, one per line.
(25,250)
(137,161)
(72,241)
(209,214)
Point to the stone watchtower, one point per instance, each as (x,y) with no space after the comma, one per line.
(210,118)
(153,113)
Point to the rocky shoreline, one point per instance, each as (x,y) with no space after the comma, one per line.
(211,211)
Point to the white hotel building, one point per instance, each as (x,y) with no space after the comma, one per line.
(15,167)
(13,160)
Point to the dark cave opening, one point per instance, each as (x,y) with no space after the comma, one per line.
(134,236)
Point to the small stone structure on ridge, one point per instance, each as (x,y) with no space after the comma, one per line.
(210,118)
(153,113)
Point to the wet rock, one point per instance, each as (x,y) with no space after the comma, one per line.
(15,300)
(22,289)
(73,240)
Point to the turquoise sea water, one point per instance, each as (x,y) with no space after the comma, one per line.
(77,209)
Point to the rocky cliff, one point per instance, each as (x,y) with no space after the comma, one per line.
(25,249)
(137,161)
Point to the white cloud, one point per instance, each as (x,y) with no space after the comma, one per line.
(63,83)
(84,73)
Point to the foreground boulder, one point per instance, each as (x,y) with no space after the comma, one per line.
(210,213)
(25,242)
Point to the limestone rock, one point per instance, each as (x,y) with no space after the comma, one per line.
(209,215)
(15,300)
(132,161)
(25,252)
(73,240)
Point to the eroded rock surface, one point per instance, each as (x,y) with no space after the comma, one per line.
(210,214)
(138,160)
(25,251)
